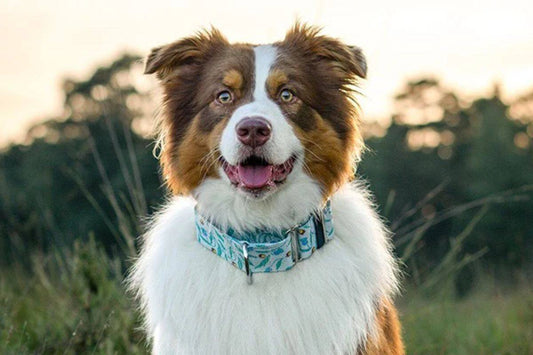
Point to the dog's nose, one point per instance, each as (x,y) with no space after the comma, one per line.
(253,131)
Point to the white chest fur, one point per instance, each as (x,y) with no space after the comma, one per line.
(196,303)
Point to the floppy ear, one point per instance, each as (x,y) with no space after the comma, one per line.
(348,59)
(188,51)
(359,61)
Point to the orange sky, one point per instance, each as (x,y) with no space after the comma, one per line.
(469,44)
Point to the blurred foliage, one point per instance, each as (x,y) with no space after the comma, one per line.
(453,178)
(439,162)
(84,172)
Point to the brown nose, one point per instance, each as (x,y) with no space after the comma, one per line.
(253,131)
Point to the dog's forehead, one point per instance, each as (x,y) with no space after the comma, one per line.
(251,69)
(245,56)
(258,69)
(236,57)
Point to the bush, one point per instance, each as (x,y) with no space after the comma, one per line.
(69,303)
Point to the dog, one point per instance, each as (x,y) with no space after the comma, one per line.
(269,244)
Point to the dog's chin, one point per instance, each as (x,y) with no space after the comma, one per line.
(256,178)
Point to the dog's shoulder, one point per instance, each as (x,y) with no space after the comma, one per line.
(169,233)
(174,219)
(171,228)
(358,225)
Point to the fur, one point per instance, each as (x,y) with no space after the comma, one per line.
(337,302)
(198,304)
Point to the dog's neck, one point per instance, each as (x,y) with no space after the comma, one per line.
(295,201)
(266,251)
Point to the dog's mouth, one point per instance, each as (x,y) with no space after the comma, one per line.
(255,173)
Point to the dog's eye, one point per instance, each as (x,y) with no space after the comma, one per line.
(286,95)
(224,97)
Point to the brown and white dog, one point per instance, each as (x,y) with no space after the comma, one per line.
(257,138)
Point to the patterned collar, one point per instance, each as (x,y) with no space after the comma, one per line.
(267,251)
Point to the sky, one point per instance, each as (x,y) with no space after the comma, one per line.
(468,44)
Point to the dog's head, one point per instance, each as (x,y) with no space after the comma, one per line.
(258,118)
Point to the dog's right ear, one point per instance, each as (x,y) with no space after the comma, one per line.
(185,52)
(346,61)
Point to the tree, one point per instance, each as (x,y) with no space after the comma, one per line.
(435,137)
(87,171)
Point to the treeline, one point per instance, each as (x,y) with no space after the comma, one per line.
(444,169)
(456,169)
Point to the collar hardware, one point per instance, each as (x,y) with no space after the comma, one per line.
(249,274)
(295,248)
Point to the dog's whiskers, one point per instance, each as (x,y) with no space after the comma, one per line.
(307,150)
(208,158)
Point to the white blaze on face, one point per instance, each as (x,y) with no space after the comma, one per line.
(283,143)
(265,56)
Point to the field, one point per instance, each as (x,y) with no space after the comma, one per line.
(490,321)
(71,303)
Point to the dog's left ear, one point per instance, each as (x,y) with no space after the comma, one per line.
(348,60)
(359,61)
(185,53)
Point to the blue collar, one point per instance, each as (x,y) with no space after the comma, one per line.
(267,251)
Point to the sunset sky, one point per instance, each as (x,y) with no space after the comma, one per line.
(468,44)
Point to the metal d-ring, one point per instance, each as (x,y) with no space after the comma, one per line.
(295,247)
(247,263)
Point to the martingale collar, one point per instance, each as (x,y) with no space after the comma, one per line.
(263,250)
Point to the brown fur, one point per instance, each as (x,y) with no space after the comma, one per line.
(233,79)
(328,162)
(192,72)
(322,73)
(196,158)
(275,81)
(388,340)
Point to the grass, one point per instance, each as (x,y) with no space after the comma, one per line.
(68,304)
(74,302)
(489,321)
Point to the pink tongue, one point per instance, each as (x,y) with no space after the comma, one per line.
(255,176)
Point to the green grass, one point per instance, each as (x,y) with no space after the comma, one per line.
(72,303)
(68,304)
(487,322)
